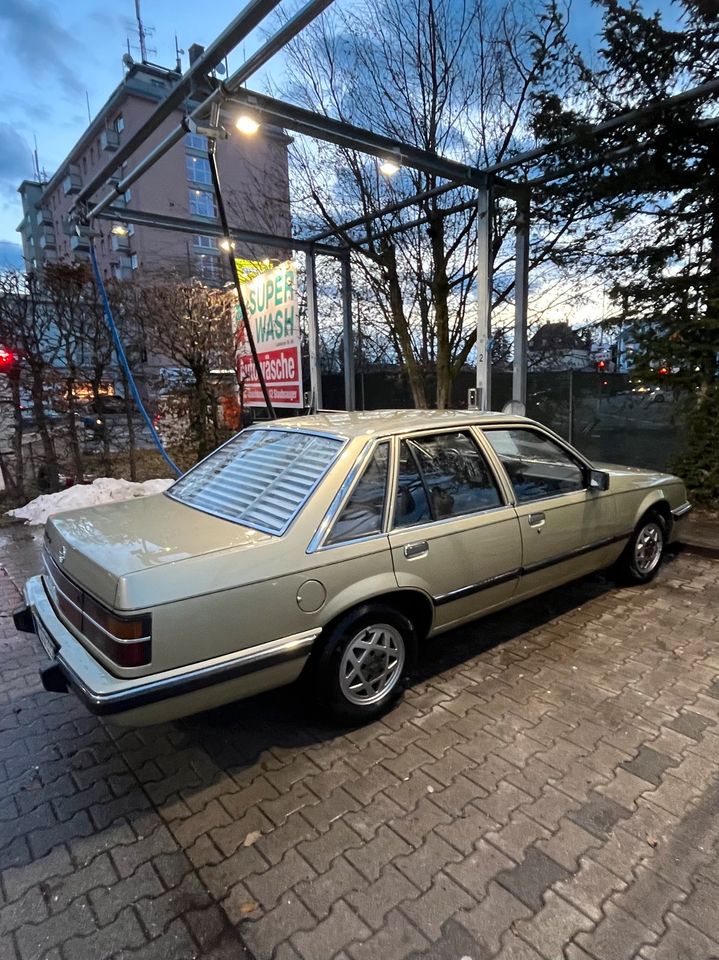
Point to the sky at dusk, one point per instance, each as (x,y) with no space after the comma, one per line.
(56,54)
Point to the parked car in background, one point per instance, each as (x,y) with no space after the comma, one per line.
(328,546)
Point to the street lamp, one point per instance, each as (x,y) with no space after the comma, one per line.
(247,124)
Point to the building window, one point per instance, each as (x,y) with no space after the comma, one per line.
(84,165)
(208,268)
(202,204)
(207,243)
(131,229)
(119,123)
(92,153)
(198,169)
(134,262)
(195,141)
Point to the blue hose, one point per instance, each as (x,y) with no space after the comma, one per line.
(119,350)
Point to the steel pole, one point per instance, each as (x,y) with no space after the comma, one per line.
(521,293)
(313,334)
(484,296)
(347,333)
(242,25)
(305,15)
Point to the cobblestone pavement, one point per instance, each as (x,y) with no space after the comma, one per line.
(548,788)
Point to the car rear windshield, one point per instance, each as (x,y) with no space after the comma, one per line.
(261,478)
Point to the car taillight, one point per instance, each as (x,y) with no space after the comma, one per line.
(125,640)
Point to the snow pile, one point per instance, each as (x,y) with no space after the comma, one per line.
(102,490)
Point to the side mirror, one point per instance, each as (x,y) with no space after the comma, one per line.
(598,480)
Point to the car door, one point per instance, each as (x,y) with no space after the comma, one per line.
(452,532)
(567,527)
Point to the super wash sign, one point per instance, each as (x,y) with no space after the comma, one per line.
(271,301)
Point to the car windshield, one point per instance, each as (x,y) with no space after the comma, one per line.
(261,478)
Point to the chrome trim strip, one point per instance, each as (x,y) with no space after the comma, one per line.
(525,570)
(141,691)
(682,511)
(477,587)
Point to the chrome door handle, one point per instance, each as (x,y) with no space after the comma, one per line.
(536,519)
(414,551)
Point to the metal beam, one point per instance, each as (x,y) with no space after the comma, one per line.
(385,211)
(313,333)
(705,89)
(283,36)
(320,127)
(521,294)
(246,21)
(484,297)
(348,333)
(143,218)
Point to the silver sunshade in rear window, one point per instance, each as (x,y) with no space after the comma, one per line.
(261,478)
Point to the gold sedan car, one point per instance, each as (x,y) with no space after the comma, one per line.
(328,546)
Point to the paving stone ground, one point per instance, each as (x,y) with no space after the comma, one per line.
(549,788)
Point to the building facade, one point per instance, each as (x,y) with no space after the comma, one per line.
(253,171)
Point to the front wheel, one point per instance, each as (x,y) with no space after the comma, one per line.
(643,554)
(361,669)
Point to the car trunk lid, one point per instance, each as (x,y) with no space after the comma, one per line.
(95,547)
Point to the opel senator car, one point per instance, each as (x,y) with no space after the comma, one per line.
(327,547)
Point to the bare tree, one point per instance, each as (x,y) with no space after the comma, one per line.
(27,327)
(446,76)
(193,325)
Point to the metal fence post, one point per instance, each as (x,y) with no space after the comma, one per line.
(347,333)
(484,296)
(313,333)
(521,285)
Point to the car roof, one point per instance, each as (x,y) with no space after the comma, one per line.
(382,422)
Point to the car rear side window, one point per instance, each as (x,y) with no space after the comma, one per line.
(363,514)
(450,478)
(261,478)
(537,466)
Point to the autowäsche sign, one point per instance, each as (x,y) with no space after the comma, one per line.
(271,301)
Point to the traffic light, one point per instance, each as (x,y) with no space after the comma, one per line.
(663,371)
(8,360)
(601,366)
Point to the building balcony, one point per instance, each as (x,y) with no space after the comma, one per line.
(72,182)
(44,215)
(47,239)
(110,140)
(79,244)
(120,242)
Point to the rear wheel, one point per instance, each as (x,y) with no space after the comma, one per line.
(643,554)
(361,669)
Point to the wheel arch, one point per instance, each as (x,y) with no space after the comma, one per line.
(414,604)
(655,503)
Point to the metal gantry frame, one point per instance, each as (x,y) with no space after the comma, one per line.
(486,182)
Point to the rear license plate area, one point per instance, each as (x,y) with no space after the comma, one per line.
(48,644)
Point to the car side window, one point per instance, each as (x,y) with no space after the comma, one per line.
(537,466)
(411,504)
(363,514)
(455,479)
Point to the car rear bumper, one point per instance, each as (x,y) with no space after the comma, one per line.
(158,697)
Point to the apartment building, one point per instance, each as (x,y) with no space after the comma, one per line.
(253,170)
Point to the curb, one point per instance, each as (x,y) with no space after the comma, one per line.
(699,549)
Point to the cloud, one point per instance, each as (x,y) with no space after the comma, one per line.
(15,159)
(40,43)
(10,256)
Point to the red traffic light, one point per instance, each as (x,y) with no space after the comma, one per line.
(8,359)
(663,371)
(601,364)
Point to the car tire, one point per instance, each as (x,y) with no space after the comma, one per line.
(363,664)
(642,556)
